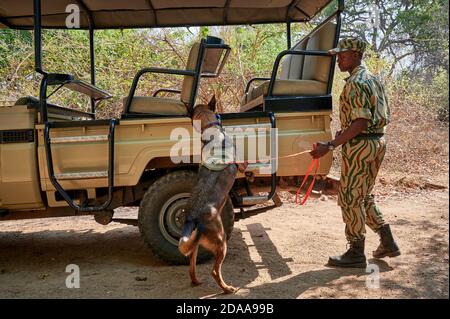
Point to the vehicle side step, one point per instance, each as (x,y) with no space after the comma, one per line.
(250,199)
(109,174)
(253,200)
(255,166)
(266,126)
(81,175)
(78,139)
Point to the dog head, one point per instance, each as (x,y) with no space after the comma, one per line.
(205,113)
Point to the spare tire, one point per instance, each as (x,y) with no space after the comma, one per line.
(161,216)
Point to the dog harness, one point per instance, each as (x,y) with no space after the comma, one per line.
(217,152)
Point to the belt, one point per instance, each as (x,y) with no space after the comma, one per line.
(369,136)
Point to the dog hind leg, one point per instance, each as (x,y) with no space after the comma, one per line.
(193,266)
(217,270)
(187,244)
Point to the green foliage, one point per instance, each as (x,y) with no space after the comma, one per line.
(204,31)
(427,26)
(437,90)
(427,99)
(13,42)
(413,33)
(120,54)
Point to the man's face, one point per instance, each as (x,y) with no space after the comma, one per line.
(347,60)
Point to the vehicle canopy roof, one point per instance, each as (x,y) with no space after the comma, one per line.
(117,14)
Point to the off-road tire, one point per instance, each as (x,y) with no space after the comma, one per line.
(152,212)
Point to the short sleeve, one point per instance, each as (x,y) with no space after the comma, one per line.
(359,102)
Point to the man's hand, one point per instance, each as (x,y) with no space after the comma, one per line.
(342,137)
(321,150)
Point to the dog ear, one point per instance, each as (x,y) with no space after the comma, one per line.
(212,103)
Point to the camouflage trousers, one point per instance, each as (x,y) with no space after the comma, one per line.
(361,160)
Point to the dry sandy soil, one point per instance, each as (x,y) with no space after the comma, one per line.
(277,254)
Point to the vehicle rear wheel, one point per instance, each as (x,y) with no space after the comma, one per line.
(161,216)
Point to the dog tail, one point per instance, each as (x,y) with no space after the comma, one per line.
(190,237)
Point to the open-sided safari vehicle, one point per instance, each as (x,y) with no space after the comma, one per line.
(56,161)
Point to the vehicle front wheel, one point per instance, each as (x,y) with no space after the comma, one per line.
(161,216)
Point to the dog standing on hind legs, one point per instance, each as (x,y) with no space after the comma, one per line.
(204,210)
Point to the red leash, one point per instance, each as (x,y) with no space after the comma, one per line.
(314,162)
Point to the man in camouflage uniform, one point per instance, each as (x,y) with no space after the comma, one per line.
(364,113)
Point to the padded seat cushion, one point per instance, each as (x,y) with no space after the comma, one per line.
(302,75)
(157,106)
(287,87)
(188,81)
(168,106)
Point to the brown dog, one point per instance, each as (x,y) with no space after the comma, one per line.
(203,225)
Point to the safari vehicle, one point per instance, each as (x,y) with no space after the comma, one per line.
(57,161)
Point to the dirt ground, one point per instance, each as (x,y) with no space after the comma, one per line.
(277,254)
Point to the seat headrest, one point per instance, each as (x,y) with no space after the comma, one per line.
(315,67)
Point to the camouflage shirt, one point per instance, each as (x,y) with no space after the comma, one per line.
(363,96)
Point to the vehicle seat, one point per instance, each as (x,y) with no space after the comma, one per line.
(301,75)
(168,106)
(55,112)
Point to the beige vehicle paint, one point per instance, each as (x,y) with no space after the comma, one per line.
(140,144)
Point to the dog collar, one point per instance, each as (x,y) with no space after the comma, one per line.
(211,125)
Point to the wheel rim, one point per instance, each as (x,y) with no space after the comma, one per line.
(171,217)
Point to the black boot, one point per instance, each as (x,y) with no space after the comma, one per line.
(354,257)
(387,246)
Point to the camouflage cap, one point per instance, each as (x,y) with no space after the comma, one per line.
(348,44)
